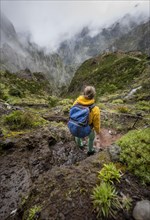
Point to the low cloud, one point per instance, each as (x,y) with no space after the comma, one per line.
(50,22)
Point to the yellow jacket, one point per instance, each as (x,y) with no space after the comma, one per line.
(94,116)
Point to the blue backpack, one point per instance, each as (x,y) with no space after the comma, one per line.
(79,119)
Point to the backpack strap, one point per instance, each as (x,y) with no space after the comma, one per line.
(89,106)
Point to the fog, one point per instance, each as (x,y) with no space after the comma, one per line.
(50,22)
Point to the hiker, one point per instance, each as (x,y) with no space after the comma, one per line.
(87,99)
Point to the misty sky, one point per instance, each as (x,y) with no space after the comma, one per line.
(50,22)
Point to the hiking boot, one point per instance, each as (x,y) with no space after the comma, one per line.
(89,153)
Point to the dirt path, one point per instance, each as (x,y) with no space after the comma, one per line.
(109,137)
(58,177)
(30,157)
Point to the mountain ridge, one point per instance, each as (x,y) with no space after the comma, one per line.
(18,52)
(15,56)
(82,46)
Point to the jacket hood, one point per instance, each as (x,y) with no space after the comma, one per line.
(82,100)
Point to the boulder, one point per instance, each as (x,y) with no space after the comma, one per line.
(142,210)
(114,151)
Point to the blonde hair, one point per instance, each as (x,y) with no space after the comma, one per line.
(89,92)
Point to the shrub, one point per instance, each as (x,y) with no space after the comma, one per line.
(53,101)
(15,92)
(109,173)
(66,102)
(101,105)
(117,101)
(135,152)
(34,213)
(143,105)
(122,109)
(66,109)
(19,120)
(109,88)
(105,200)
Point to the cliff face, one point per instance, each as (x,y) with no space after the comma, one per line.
(18,52)
(17,55)
(126,34)
(136,39)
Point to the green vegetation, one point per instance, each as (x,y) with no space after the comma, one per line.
(66,102)
(126,202)
(22,120)
(143,105)
(53,101)
(113,75)
(109,173)
(136,152)
(105,200)
(14,87)
(109,73)
(34,213)
(122,109)
(66,109)
(15,92)
(1,94)
(117,101)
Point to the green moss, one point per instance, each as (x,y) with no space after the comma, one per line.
(19,120)
(101,105)
(66,109)
(57,124)
(122,109)
(108,74)
(104,157)
(15,86)
(143,105)
(65,102)
(135,152)
(117,101)
(53,101)
(22,120)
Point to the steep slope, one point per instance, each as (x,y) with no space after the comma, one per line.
(120,35)
(24,87)
(44,175)
(16,56)
(113,73)
(136,39)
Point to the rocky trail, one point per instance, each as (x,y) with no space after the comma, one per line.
(28,157)
(46,169)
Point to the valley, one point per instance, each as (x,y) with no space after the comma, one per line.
(44,173)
